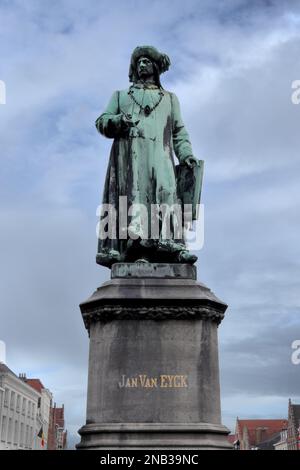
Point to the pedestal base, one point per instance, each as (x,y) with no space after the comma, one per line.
(155,436)
(153,365)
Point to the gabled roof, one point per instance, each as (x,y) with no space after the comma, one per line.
(269,427)
(5,369)
(58,416)
(269,443)
(36,384)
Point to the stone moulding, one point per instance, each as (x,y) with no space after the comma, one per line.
(152,299)
(111,312)
(181,436)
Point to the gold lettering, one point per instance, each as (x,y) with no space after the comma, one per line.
(147,383)
(177,381)
(142,380)
(163,379)
(128,384)
(122,383)
(170,378)
(153,381)
(134,382)
(184,381)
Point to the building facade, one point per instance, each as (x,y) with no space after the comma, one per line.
(27,419)
(57,434)
(43,411)
(18,412)
(282,443)
(252,432)
(293,429)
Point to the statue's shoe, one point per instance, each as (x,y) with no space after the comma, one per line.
(185,256)
(169,246)
(142,261)
(108,258)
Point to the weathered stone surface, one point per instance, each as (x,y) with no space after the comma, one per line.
(155,436)
(153,271)
(152,299)
(151,349)
(153,366)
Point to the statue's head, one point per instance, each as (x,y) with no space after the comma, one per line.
(147,60)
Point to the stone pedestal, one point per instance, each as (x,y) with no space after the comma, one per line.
(153,365)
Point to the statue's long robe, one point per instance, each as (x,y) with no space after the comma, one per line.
(141,164)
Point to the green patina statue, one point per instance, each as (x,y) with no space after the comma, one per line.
(146,125)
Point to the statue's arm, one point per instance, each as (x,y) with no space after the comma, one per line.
(181,141)
(110,123)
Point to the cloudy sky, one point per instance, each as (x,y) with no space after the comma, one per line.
(233,63)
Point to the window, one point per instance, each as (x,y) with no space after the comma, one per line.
(33,410)
(16,432)
(29,409)
(22,435)
(12,400)
(9,434)
(18,403)
(6,397)
(31,437)
(3,430)
(26,436)
(23,406)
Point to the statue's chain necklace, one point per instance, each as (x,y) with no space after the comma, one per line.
(147,109)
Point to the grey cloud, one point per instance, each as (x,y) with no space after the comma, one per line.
(261,364)
(232,67)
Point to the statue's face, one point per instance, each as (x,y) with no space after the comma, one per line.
(145,67)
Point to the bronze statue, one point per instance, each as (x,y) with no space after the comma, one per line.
(147,128)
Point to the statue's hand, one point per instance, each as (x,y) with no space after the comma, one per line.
(191,161)
(128,122)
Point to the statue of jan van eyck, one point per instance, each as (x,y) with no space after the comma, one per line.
(146,125)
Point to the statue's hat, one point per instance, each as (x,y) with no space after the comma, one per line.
(162,60)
